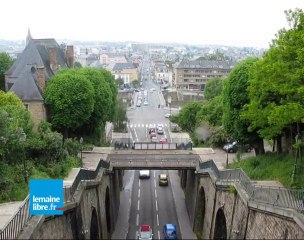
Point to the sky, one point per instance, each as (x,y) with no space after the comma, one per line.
(240,23)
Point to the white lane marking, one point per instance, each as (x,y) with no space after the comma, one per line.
(136,135)
(154,183)
(139,183)
(154,173)
(157,220)
(138,205)
(138,193)
(158,234)
(130,201)
(156,206)
(137,219)
(155,193)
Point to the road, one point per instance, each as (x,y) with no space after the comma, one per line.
(150,203)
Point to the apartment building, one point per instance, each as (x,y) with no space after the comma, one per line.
(193,75)
(126,71)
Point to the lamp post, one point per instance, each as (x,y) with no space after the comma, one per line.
(81,142)
(23,139)
(169,102)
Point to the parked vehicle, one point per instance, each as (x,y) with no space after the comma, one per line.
(235,146)
(169,231)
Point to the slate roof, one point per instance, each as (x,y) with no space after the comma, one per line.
(22,75)
(122,66)
(205,64)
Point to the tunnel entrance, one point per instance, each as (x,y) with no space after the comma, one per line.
(200,211)
(220,230)
(108,211)
(94,230)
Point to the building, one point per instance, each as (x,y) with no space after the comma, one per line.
(112,58)
(29,74)
(126,71)
(193,75)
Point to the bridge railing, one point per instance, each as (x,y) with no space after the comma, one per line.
(275,196)
(16,224)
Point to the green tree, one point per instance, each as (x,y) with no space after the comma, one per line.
(213,88)
(235,96)
(5,63)
(276,89)
(70,99)
(186,118)
(77,65)
(135,83)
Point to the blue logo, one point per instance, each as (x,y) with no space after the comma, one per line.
(46,197)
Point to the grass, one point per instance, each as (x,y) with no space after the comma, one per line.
(272,167)
(12,183)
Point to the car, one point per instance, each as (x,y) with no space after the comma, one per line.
(160,130)
(167,115)
(163,140)
(163,179)
(144,232)
(169,231)
(144,174)
(138,104)
(145,103)
(235,146)
(154,139)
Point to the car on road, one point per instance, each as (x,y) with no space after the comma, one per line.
(160,130)
(144,232)
(163,140)
(154,139)
(144,174)
(169,231)
(145,103)
(163,179)
(167,115)
(235,146)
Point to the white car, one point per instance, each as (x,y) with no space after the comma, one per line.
(144,173)
(167,115)
(144,233)
(145,103)
(160,130)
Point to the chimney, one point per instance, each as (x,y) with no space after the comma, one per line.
(53,59)
(70,56)
(41,78)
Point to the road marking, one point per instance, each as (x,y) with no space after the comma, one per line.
(158,234)
(155,193)
(137,219)
(130,201)
(139,183)
(136,135)
(157,220)
(154,183)
(156,206)
(154,173)
(138,193)
(138,205)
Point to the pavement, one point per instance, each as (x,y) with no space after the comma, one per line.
(7,210)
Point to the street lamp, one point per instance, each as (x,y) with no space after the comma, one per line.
(81,142)
(23,139)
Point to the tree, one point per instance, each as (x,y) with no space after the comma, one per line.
(70,99)
(276,89)
(186,118)
(213,88)
(77,65)
(135,83)
(235,96)
(5,63)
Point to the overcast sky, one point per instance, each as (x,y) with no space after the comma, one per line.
(251,23)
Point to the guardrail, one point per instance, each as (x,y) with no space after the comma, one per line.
(12,229)
(18,221)
(120,145)
(275,196)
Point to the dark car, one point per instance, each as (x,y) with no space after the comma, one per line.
(235,146)
(169,231)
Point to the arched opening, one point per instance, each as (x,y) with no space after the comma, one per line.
(184,178)
(94,230)
(220,230)
(200,211)
(108,210)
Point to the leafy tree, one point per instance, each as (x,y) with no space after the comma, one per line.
(235,96)
(213,88)
(70,99)
(120,81)
(120,117)
(135,83)
(77,65)
(276,89)
(186,118)
(5,63)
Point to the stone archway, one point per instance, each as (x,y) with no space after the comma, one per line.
(220,230)
(108,210)
(94,229)
(200,211)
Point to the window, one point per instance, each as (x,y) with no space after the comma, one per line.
(26,106)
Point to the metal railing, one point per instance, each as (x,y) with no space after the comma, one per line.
(16,224)
(275,196)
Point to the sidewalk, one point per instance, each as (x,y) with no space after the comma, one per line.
(7,210)
(180,205)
